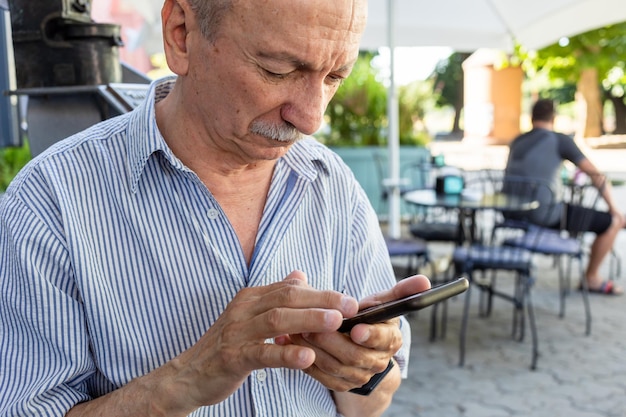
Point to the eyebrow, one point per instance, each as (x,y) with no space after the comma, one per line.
(297,62)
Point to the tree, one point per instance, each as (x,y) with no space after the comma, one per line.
(594,61)
(448,85)
(357,114)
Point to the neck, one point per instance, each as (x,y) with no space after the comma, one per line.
(542,124)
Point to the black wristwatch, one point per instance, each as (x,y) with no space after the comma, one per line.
(373,382)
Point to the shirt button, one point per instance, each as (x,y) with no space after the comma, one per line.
(213,214)
(261,375)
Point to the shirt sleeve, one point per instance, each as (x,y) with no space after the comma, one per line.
(569,150)
(371,260)
(43,347)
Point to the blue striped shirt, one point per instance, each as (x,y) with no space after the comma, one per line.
(115,258)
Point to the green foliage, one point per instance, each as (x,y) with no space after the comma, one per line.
(357,114)
(414,100)
(603,49)
(555,70)
(12,159)
(448,79)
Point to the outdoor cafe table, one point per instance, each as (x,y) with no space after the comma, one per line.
(467,204)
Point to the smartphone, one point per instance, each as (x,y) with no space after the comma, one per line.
(391,309)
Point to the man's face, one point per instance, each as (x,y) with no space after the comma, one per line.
(272,70)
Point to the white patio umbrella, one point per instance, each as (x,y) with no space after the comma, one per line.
(467,25)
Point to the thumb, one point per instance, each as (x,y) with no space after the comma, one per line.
(296,275)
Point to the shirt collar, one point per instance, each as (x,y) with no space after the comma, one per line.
(144,137)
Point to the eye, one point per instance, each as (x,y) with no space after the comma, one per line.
(335,80)
(275,75)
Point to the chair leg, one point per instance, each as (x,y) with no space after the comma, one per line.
(464,321)
(433,322)
(483,296)
(438,331)
(444,318)
(531,319)
(492,288)
(519,324)
(563,284)
(585,294)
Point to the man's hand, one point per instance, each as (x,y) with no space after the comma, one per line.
(346,361)
(235,345)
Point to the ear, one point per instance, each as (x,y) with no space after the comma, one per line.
(174,27)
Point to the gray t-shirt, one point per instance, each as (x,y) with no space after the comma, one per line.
(539,154)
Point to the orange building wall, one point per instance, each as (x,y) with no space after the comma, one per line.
(493,102)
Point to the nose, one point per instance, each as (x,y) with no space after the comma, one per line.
(306,105)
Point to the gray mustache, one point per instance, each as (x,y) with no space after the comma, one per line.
(281,133)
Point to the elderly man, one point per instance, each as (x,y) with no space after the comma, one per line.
(197,255)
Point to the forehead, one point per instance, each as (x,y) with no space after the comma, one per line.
(303,24)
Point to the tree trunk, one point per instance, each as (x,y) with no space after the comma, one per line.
(458,103)
(589,105)
(620,114)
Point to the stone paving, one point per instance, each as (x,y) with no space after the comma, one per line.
(576,376)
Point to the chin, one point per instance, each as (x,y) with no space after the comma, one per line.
(275,151)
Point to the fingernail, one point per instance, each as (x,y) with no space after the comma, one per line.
(364,336)
(347,303)
(304,356)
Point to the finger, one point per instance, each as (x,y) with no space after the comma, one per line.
(407,286)
(281,321)
(337,355)
(354,370)
(270,355)
(297,275)
(385,337)
(339,383)
(293,292)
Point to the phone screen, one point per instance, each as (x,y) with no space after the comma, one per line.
(391,309)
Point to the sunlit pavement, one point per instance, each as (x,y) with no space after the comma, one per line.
(576,376)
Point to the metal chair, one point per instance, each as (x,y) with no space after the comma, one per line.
(566,244)
(415,250)
(490,259)
(484,258)
(404,186)
(434,224)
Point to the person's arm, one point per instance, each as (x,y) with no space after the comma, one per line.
(600,181)
(234,346)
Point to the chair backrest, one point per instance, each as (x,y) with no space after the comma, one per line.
(585,196)
(419,173)
(530,190)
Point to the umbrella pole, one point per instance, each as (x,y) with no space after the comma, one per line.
(393,135)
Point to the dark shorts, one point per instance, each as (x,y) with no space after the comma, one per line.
(583,219)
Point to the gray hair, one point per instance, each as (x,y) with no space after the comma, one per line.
(209,14)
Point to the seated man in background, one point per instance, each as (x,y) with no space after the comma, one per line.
(539,154)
